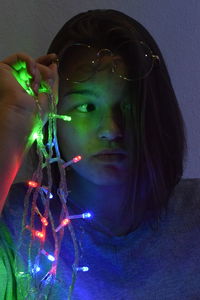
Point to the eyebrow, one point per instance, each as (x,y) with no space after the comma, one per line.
(82,92)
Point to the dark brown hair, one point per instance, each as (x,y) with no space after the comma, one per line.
(158,132)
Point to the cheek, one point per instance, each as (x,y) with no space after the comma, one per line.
(81,127)
(73,140)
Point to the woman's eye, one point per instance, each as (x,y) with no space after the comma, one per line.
(88,107)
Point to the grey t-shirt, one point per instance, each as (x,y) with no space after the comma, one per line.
(146,264)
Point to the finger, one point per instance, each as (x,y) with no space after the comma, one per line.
(46,59)
(48,75)
(43,73)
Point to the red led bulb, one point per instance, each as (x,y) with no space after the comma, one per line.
(33,183)
(77,158)
(44,221)
(39,234)
(65,222)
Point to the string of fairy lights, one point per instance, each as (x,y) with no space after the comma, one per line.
(48,153)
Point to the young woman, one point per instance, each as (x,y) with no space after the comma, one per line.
(127,126)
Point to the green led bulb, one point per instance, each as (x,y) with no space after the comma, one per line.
(22,76)
(62,117)
(44,88)
(37,132)
(24,79)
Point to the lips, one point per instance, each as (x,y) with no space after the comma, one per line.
(111,152)
(111,155)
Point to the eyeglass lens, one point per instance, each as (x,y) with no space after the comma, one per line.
(81,61)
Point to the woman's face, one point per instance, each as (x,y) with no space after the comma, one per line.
(96,129)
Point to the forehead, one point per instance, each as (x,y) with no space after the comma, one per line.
(103,84)
(135,54)
(91,67)
(79,60)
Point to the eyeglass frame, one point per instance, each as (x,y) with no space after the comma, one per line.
(154,57)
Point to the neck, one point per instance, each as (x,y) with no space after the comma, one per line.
(108,204)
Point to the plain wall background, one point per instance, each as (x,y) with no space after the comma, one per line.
(30,25)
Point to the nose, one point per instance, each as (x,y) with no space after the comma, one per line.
(109,129)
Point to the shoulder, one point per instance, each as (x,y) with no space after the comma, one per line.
(186,194)
(183,211)
(189,185)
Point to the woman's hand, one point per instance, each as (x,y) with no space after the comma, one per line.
(12,94)
(18,112)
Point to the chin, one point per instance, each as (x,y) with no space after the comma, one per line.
(109,181)
(107,176)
